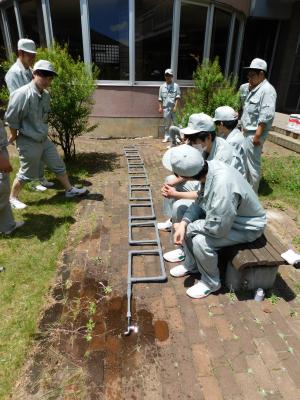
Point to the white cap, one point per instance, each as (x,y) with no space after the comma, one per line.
(169,72)
(27,45)
(44,65)
(183,160)
(225,113)
(199,123)
(258,63)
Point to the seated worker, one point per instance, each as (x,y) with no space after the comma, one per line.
(226,120)
(27,118)
(7,221)
(179,194)
(228,212)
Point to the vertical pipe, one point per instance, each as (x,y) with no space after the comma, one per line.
(85,29)
(7,38)
(132,41)
(229,47)
(18,19)
(47,22)
(208,31)
(175,36)
(239,47)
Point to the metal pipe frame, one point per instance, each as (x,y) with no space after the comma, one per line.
(140,189)
(143,224)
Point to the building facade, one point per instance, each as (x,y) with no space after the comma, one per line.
(134,41)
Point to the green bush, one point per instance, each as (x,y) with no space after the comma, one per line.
(211,90)
(71,98)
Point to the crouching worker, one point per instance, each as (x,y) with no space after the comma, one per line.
(27,118)
(226,213)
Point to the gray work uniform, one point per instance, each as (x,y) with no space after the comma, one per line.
(7,221)
(17,76)
(237,140)
(221,151)
(259,106)
(168,94)
(27,112)
(232,215)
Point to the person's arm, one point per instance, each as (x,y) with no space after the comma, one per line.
(266,114)
(177,99)
(5,165)
(16,109)
(170,192)
(160,101)
(258,133)
(179,232)
(12,135)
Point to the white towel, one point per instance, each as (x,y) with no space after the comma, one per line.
(291,257)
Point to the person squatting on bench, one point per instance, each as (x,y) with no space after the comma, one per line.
(226,212)
(179,193)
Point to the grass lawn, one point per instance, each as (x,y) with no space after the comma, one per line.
(30,257)
(280,182)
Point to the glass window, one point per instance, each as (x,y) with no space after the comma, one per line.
(32,20)
(234,45)
(293,98)
(259,40)
(2,44)
(191,39)
(153,38)
(220,35)
(13,28)
(66,24)
(109,24)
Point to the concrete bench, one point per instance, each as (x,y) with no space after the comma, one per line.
(252,265)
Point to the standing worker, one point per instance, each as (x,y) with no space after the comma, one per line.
(259,99)
(168,98)
(27,118)
(7,222)
(20,74)
(227,213)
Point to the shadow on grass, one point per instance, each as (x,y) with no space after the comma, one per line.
(59,198)
(264,188)
(41,225)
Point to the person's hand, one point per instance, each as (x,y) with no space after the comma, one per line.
(160,110)
(179,233)
(5,165)
(168,191)
(256,141)
(174,109)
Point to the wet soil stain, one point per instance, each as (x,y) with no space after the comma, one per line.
(87,327)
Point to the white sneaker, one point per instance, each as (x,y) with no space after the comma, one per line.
(46,183)
(165,226)
(74,192)
(200,290)
(18,224)
(40,188)
(165,140)
(17,204)
(179,271)
(174,255)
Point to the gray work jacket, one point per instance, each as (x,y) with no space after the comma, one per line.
(17,76)
(228,201)
(28,110)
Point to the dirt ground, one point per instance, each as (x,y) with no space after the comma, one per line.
(226,346)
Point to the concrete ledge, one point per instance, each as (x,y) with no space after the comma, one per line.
(286,132)
(284,141)
(126,127)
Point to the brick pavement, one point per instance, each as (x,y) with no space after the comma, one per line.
(221,347)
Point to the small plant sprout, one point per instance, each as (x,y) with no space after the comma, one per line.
(231,296)
(90,325)
(273,299)
(92,309)
(106,289)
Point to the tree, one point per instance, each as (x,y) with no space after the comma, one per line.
(71,98)
(211,90)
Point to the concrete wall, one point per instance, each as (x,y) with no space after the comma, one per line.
(128,111)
